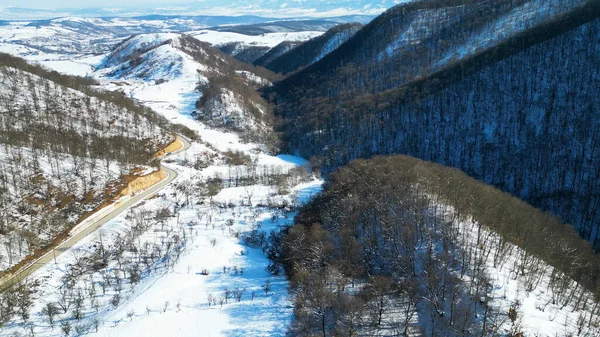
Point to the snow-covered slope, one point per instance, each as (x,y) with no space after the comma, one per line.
(63,149)
(149,58)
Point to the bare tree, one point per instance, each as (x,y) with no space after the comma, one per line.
(50,310)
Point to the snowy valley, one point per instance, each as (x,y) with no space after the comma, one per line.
(199,247)
(179,141)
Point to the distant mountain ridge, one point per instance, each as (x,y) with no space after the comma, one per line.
(72,34)
(247,8)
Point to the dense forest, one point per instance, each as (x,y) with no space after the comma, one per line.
(397,246)
(416,39)
(522,115)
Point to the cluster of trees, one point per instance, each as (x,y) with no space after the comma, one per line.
(396,245)
(39,204)
(522,116)
(229,102)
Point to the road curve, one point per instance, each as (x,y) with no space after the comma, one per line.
(71,241)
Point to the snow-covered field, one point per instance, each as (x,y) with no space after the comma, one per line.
(173,299)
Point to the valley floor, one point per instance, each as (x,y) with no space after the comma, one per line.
(196,274)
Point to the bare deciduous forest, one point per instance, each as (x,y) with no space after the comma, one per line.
(451,185)
(396,245)
(66,149)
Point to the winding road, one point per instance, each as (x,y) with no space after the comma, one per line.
(24,272)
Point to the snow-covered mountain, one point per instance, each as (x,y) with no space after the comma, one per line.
(225,89)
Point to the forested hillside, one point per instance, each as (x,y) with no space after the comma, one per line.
(313,50)
(65,149)
(396,246)
(522,115)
